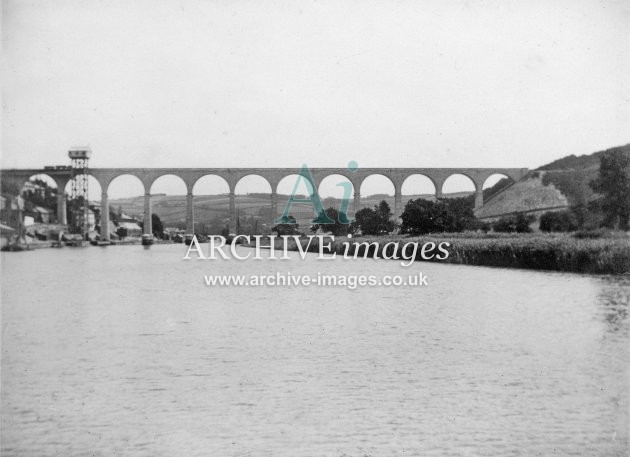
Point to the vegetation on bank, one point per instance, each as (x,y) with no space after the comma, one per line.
(583,252)
(610,255)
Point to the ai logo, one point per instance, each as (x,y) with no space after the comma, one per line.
(320,215)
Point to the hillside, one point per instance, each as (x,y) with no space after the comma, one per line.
(529,195)
(556,185)
(583,162)
(572,174)
(208,208)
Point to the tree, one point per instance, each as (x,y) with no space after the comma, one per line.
(121,232)
(516,223)
(74,214)
(375,221)
(522,223)
(448,215)
(156,225)
(613,183)
(337,228)
(290,227)
(422,216)
(558,221)
(385,214)
(460,215)
(45,196)
(10,187)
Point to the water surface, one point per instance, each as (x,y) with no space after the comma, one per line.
(125,351)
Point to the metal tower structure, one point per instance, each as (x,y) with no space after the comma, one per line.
(79,196)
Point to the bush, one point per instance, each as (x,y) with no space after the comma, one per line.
(591,234)
(448,215)
(503,225)
(558,221)
(613,183)
(337,228)
(518,223)
(122,232)
(288,228)
(375,221)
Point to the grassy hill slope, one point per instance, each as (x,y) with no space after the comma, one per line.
(172,208)
(558,184)
(528,195)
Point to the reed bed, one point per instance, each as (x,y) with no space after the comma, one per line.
(608,254)
(560,253)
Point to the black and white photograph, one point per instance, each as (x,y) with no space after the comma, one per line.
(315,228)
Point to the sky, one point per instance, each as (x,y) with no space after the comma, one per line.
(165,83)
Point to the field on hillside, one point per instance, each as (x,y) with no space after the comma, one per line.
(172,208)
(532,193)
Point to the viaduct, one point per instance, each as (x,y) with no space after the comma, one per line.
(17,177)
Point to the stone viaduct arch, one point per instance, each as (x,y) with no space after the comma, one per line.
(232,175)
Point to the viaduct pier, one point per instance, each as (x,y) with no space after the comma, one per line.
(104,176)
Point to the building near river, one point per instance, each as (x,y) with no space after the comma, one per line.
(133,229)
(40,214)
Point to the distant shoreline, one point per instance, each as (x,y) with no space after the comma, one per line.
(600,254)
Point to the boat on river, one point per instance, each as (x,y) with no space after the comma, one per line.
(74,240)
(15,247)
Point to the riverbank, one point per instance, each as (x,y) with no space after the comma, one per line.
(600,254)
(607,253)
(39,244)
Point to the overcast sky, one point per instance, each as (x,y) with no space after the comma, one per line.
(280,83)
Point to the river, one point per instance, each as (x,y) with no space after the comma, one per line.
(124,351)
